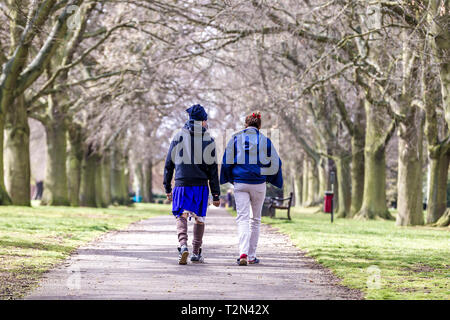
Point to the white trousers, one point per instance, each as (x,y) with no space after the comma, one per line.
(249,202)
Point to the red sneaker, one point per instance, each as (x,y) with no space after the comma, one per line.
(242,260)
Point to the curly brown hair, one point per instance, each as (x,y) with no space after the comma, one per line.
(253,120)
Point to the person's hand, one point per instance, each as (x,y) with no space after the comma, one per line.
(169,196)
(216,203)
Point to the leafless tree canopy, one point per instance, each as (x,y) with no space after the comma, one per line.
(359,88)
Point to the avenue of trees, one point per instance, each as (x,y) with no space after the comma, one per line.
(359,88)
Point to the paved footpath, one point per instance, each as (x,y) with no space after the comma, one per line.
(141,263)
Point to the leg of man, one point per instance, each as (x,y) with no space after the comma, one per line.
(242,198)
(199,229)
(182,229)
(182,238)
(257,195)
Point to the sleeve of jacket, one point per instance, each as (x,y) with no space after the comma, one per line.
(226,169)
(213,176)
(168,170)
(276,179)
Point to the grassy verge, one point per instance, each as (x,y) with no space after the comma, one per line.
(231,211)
(382,260)
(33,240)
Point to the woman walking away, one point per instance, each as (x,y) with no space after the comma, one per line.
(250,161)
(194,167)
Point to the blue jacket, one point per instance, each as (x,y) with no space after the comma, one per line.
(191,166)
(251,158)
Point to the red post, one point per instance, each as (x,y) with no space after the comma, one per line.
(328,201)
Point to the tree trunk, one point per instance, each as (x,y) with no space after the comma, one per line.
(376,136)
(438,156)
(298,186)
(106,178)
(443,221)
(55,184)
(126,184)
(300,190)
(74,160)
(410,132)
(147,191)
(323,181)
(437,185)
(313,184)
(305,183)
(409,181)
(374,199)
(440,43)
(99,195)
(444,73)
(344,187)
(292,189)
(139,176)
(5,199)
(438,165)
(88,183)
(119,182)
(17,153)
(357,173)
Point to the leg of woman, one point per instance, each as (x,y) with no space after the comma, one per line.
(257,195)
(242,198)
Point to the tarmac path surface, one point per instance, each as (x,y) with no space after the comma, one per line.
(140,262)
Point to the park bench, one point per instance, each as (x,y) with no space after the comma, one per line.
(278,203)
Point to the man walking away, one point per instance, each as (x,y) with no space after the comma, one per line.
(192,156)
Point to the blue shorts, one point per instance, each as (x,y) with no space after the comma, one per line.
(193,199)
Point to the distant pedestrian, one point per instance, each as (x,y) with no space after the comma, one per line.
(249,162)
(229,198)
(194,167)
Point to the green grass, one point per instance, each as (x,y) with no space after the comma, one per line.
(33,240)
(413,262)
(231,211)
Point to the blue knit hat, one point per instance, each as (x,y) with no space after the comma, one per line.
(197,113)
